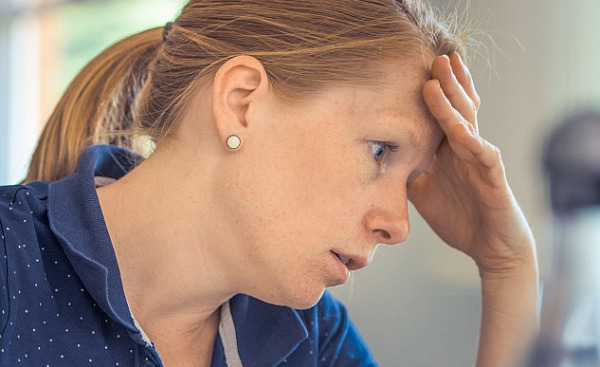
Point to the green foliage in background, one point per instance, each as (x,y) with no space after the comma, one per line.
(90,27)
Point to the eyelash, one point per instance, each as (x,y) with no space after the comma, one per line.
(380,149)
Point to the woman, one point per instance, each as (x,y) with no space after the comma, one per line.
(289,137)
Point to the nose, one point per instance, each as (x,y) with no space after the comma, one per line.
(388,223)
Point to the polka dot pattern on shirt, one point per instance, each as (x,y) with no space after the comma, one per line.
(47,316)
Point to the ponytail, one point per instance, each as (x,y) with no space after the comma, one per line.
(97,108)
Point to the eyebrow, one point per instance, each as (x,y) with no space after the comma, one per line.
(405,136)
(408,135)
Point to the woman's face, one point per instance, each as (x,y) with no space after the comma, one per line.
(317,185)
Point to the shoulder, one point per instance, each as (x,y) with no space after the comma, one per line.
(22,213)
(22,208)
(18,200)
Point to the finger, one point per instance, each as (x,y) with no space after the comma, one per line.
(464,141)
(448,117)
(489,155)
(484,152)
(460,100)
(463,75)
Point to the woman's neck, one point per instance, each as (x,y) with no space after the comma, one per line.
(172,275)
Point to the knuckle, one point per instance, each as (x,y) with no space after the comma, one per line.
(473,105)
(477,101)
(496,151)
(469,78)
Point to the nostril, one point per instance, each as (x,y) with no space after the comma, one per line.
(383,233)
(387,227)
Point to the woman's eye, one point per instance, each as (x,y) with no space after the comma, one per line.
(379,149)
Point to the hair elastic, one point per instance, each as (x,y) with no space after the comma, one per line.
(166,29)
(233,142)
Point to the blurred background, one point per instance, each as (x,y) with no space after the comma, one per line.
(418,304)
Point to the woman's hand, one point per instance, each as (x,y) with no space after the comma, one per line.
(468,203)
(466,199)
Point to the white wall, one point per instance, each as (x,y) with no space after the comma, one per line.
(4,93)
(19,83)
(418,304)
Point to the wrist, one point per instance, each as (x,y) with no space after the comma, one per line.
(510,262)
(513,294)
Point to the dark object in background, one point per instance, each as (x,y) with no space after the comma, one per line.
(572,162)
(570,322)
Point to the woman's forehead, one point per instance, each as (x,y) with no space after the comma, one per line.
(389,104)
(398,96)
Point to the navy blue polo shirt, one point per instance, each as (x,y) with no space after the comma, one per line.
(62,301)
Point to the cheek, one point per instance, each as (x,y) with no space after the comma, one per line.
(304,191)
(293,206)
(329,188)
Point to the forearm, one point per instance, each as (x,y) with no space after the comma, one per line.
(509,320)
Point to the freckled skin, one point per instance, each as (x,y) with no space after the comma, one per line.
(306,182)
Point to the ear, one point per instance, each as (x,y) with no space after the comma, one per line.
(239,86)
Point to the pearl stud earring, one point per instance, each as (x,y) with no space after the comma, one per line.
(234,142)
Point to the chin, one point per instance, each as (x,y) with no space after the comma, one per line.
(306,302)
(299,299)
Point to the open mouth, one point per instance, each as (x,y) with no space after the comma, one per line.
(342,258)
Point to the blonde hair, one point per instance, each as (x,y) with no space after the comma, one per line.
(144,83)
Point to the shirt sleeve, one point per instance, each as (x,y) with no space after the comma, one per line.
(340,343)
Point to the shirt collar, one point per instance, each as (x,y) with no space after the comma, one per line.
(266,334)
(76,219)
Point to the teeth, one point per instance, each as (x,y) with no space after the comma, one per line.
(344,259)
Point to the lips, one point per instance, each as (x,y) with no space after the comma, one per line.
(352,262)
(344,259)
